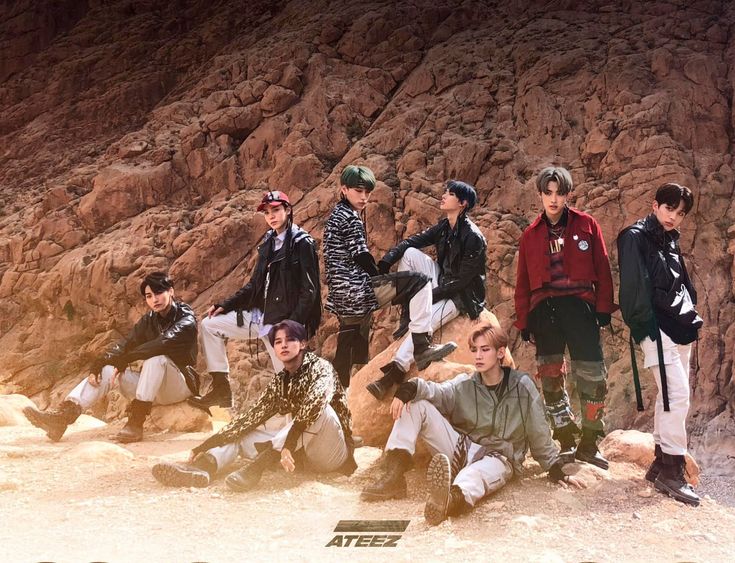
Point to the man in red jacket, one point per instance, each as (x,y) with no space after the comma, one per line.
(563,295)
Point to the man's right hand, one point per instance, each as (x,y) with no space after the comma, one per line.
(213,311)
(396,408)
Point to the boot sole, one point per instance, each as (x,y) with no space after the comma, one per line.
(662,487)
(439,480)
(376,390)
(175,476)
(33,417)
(127,439)
(602,464)
(445,350)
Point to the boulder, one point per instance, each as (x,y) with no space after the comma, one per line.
(370,418)
(179,417)
(633,446)
(11,410)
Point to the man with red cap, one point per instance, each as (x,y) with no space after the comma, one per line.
(284,285)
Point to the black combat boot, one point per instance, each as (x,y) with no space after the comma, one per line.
(133,429)
(198,473)
(393,482)
(392,375)
(424,352)
(249,476)
(55,421)
(439,482)
(655,467)
(567,441)
(220,394)
(587,450)
(671,480)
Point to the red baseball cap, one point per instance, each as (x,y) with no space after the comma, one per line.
(274,198)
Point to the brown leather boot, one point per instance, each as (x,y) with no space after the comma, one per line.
(133,429)
(55,421)
(392,484)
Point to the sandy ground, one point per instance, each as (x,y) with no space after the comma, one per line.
(85,499)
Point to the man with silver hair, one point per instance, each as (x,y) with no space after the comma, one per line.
(563,295)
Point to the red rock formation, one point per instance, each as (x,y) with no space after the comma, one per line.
(139,135)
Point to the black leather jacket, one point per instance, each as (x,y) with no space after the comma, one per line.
(655,289)
(294,290)
(463,251)
(174,336)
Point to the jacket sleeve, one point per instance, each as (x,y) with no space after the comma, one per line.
(117,354)
(318,396)
(472,264)
(353,236)
(242,298)
(635,287)
(419,240)
(441,395)
(309,288)
(522,294)
(543,449)
(264,407)
(180,337)
(604,301)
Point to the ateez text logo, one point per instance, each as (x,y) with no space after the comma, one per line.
(368,533)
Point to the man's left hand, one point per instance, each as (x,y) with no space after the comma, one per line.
(287,461)
(572,482)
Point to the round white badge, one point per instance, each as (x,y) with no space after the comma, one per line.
(583,245)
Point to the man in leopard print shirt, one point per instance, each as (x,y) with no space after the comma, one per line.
(302,413)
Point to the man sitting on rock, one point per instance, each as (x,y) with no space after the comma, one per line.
(356,288)
(284,285)
(165,338)
(479,427)
(457,277)
(301,414)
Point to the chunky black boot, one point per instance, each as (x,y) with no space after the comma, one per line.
(655,467)
(393,482)
(457,503)
(587,450)
(567,442)
(133,429)
(439,482)
(55,421)
(220,394)
(671,480)
(393,375)
(249,476)
(403,323)
(424,352)
(198,473)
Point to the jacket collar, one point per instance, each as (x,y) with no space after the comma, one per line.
(656,231)
(169,318)
(569,211)
(309,359)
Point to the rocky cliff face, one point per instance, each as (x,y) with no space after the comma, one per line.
(138,135)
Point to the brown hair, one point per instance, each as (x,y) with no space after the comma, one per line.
(555,174)
(497,337)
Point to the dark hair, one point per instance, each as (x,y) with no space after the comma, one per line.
(294,331)
(358,177)
(464,192)
(673,194)
(555,174)
(157,281)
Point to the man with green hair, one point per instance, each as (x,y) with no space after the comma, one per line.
(356,289)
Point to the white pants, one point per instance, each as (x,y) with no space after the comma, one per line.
(323,442)
(441,312)
(422,420)
(159,382)
(215,331)
(669,428)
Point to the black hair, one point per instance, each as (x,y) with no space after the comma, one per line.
(673,194)
(464,192)
(294,331)
(157,281)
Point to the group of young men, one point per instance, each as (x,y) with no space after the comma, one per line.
(479,425)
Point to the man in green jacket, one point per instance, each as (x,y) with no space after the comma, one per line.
(479,427)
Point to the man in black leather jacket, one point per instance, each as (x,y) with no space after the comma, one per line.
(657,300)
(458,275)
(165,338)
(284,285)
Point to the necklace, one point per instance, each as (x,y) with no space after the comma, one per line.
(556,238)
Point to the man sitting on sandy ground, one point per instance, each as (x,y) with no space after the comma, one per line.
(479,427)
(165,338)
(302,414)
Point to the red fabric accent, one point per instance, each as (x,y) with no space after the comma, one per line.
(557,369)
(591,265)
(593,411)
